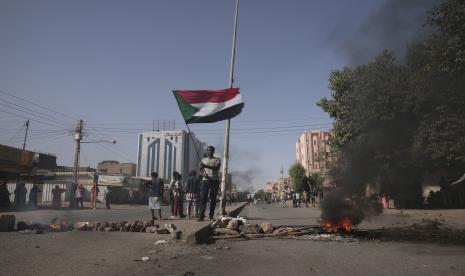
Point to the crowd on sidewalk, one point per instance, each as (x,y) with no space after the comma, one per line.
(194,194)
(188,199)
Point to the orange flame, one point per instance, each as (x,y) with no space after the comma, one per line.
(344,224)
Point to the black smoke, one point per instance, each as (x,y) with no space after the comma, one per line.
(393,26)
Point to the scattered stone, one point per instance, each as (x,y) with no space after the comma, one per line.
(160,242)
(225,231)
(206,257)
(251,229)
(233,224)
(267,228)
(162,231)
(176,235)
(82,226)
(170,227)
(144,259)
(151,229)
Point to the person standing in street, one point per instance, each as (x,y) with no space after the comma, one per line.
(249,198)
(20,194)
(176,189)
(79,196)
(131,196)
(94,195)
(305,198)
(192,194)
(56,196)
(209,168)
(283,198)
(108,193)
(33,193)
(155,185)
(4,195)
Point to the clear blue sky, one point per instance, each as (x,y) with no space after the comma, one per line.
(114,63)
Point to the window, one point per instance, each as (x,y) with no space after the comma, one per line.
(148,139)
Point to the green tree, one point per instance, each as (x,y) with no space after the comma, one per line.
(297,174)
(316,181)
(393,120)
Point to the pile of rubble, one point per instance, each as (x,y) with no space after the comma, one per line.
(62,225)
(239,228)
(125,226)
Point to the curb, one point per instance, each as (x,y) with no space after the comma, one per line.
(202,235)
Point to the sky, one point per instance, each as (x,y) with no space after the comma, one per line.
(114,63)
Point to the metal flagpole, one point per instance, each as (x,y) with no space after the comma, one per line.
(224,176)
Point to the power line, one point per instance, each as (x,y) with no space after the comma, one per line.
(34,112)
(34,120)
(32,103)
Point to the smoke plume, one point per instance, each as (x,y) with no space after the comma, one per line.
(396,24)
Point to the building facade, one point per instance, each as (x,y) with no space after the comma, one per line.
(278,187)
(313,151)
(112,167)
(168,151)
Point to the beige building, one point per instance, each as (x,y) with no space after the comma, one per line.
(313,152)
(278,186)
(111,167)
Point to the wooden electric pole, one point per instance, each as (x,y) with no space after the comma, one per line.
(77,138)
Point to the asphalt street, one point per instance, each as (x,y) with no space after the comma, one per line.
(115,253)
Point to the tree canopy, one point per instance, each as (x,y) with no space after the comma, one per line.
(297,174)
(396,120)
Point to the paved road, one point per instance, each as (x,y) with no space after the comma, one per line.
(88,253)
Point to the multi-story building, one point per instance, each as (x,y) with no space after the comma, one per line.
(313,151)
(168,151)
(111,167)
(277,187)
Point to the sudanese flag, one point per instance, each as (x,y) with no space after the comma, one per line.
(208,106)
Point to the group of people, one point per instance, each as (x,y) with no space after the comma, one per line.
(313,198)
(196,192)
(20,195)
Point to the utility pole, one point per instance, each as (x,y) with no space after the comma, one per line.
(224,176)
(25,135)
(21,158)
(77,138)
